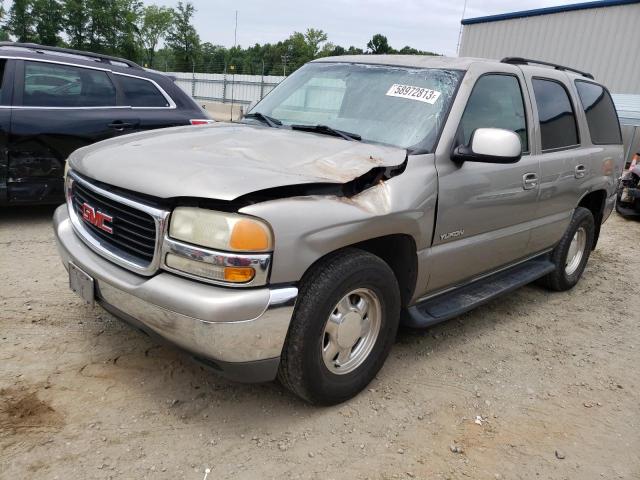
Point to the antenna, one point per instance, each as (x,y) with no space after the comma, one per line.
(464,11)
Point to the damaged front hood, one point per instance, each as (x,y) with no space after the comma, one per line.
(225,161)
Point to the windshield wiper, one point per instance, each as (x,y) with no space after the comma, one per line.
(327,130)
(272,122)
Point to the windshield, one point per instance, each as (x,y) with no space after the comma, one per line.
(383,104)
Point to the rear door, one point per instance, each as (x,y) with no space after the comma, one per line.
(58,108)
(149,103)
(564,162)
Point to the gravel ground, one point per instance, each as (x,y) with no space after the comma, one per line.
(533,385)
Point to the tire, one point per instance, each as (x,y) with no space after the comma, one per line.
(304,368)
(566,275)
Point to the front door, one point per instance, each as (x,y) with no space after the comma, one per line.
(6,93)
(485,210)
(58,108)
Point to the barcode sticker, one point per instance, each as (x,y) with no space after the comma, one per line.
(420,94)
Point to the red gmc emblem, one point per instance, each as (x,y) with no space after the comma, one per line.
(97,219)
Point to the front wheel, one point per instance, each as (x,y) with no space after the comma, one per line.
(572,253)
(343,326)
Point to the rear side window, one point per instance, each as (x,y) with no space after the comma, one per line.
(600,112)
(141,93)
(557,119)
(495,102)
(2,65)
(53,85)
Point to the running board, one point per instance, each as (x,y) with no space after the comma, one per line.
(461,300)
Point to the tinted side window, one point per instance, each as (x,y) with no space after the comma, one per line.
(3,63)
(557,118)
(141,93)
(601,113)
(496,102)
(52,85)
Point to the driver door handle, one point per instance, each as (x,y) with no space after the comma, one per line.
(530,181)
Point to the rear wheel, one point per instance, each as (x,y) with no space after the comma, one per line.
(572,253)
(343,326)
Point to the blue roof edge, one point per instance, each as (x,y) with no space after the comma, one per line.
(548,10)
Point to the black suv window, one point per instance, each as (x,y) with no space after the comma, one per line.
(600,112)
(3,63)
(141,93)
(495,102)
(557,119)
(53,85)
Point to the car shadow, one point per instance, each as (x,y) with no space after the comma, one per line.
(26,213)
(203,395)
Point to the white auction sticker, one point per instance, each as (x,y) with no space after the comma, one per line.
(414,93)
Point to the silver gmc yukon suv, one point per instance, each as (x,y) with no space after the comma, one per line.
(362,193)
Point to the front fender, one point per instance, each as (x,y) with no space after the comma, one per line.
(306,228)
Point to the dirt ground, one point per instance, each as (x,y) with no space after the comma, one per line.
(533,385)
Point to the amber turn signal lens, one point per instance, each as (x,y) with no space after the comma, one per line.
(249,236)
(239,274)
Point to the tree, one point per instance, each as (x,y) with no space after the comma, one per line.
(76,20)
(127,14)
(313,38)
(4,34)
(21,23)
(156,22)
(48,18)
(183,38)
(413,51)
(379,45)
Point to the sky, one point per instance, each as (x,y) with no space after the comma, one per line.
(426,25)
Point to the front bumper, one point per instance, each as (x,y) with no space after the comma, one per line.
(240,332)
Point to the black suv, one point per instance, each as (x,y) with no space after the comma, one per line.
(55,100)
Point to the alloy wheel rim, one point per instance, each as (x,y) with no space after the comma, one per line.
(351,331)
(576,251)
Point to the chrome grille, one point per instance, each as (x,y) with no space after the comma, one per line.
(137,228)
(133,231)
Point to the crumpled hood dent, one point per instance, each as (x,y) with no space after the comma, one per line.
(225,161)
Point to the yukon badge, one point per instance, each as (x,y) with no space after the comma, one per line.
(456,234)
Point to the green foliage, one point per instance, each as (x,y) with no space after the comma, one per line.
(47,15)
(127,28)
(76,20)
(21,22)
(183,38)
(379,45)
(156,22)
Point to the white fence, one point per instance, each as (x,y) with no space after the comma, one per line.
(226,88)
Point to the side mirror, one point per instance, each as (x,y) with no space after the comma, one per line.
(490,145)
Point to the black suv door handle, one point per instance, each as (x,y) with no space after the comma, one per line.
(120,125)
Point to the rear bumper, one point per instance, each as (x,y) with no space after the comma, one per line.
(240,332)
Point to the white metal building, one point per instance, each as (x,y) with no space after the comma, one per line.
(599,37)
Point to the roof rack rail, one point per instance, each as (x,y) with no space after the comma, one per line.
(94,56)
(527,61)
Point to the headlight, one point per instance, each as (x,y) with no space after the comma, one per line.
(219,230)
(240,246)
